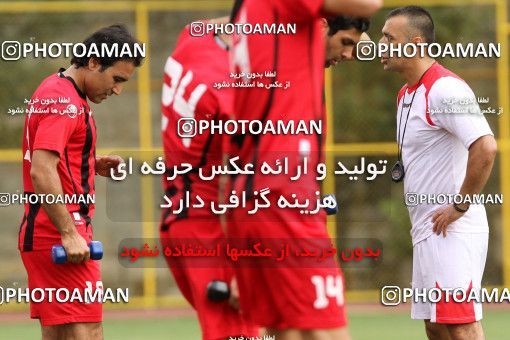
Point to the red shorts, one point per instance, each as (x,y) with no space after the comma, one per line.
(218,320)
(43,273)
(294,296)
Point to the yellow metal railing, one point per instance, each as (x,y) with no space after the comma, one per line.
(141,9)
(502,35)
(145,123)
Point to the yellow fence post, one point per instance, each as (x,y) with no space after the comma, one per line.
(145,130)
(502,34)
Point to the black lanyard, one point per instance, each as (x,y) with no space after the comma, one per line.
(398,172)
(399,142)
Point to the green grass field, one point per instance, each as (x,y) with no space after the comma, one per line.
(369,326)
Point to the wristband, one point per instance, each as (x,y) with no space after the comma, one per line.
(459,209)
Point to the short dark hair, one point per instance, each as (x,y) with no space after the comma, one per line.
(343,22)
(114,34)
(419,18)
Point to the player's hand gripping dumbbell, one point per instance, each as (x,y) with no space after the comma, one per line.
(59,255)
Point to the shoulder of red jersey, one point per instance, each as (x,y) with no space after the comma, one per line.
(190,55)
(193,32)
(57,91)
(183,35)
(58,97)
(192,48)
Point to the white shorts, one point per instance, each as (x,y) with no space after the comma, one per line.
(454,261)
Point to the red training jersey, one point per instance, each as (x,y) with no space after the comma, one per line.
(196,64)
(61,121)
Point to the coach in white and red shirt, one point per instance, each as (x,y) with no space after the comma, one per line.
(441,152)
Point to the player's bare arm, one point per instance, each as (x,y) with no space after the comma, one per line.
(480,161)
(360,8)
(233,300)
(104,164)
(46,180)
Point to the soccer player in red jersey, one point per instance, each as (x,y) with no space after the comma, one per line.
(189,97)
(59,159)
(341,34)
(293,302)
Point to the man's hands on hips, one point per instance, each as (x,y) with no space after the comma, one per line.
(482,153)
(104,164)
(76,248)
(443,217)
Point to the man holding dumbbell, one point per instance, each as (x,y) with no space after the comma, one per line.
(59,159)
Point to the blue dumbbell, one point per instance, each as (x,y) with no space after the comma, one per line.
(331,211)
(59,256)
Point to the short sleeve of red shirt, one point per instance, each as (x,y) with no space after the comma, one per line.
(298,10)
(54,130)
